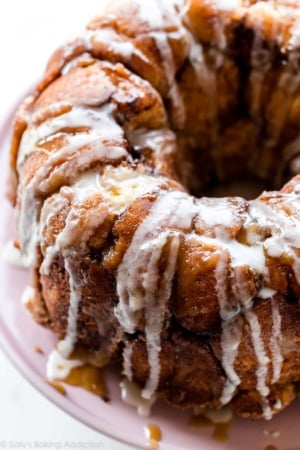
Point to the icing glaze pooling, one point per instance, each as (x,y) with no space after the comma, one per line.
(58,368)
(12,255)
(28,295)
(131,394)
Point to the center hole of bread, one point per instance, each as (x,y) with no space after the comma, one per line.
(248,187)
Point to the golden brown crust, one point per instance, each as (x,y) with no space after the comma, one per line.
(190,374)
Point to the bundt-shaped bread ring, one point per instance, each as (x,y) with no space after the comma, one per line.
(152,107)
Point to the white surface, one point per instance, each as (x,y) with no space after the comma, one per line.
(29,31)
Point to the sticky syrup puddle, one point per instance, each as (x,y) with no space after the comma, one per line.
(87,377)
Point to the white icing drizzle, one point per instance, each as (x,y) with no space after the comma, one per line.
(277,357)
(207,79)
(133,298)
(228,5)
(232,329)
(262,360)
(162,141)
(295,35)
(178,107)
(109,37)
(93,148)
(53,109)
(278,405)
(152,13)
(70,47)
(222,273)
(28,295)
(12,255)
(252,256)
(51,207)
(220,40)
(135,285)
(204,75)
(232,332)
(121,185)
(285,236)
(134,264)
(127,354)
(216,214)
(138,274)
(101,126)
(83,59)
(257,341)
(58,368)
(85,187)
(99,122)
(154,326)
(132,395)
(61,244)
(266,292)
(124,182)
(230,340)
(81,191)
(66,346)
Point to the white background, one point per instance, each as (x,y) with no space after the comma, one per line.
(29,31)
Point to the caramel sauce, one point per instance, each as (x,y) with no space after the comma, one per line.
(38,349)
(57,386)
(90,378)
(153,436)
(270,447)
(220,432)
(51,144)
